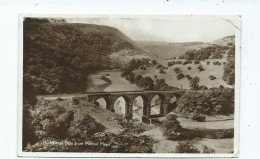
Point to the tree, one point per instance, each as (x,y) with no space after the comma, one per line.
(201,68)
(131,78)
(146,83)
(180,76)
(194,83)
(171,127)
(154,62)
(229,72)
(211,77)
(177,69)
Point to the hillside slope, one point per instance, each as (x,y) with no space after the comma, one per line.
(167,50)
(228,40)
(59,56)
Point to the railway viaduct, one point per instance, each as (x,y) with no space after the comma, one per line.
(129,96)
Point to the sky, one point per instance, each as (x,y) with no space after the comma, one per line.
(177,28)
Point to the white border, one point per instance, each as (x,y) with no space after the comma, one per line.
(82,154)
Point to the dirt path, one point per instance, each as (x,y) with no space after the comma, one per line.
(161,144)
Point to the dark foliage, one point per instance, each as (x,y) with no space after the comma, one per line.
(194,83)
(180,76)
(201,68)
(213,102)
(177,69)
(207,149)
(229,72)
(186,147)
(214,51)
(211,77)
(196,62)
(198,117)
(216,63)
(58,58)
(171,127)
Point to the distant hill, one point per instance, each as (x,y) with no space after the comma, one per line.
(59,56)
(225,41)
(167,50)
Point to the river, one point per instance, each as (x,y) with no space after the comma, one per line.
(96,84)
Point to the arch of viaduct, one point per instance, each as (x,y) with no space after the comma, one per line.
(129,97)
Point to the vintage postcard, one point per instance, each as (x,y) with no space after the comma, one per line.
(129,85)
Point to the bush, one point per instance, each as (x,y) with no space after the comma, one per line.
(216,63)
(229,72)
(75,101)
(208,149)
(171,127)
(84,126)
(189,68)
(185,63)
(198,117)
(200,68)
(194,83)
(206,102)
(177,69)
(196,62)
(211,77)
(159,66)
(51,120)
(180,76)
(59,99)
(208,63)
(203,87)
(186,147)
(188,77)
(225,133)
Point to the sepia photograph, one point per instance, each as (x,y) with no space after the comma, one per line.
(129,85)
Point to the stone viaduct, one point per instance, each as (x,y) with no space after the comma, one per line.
(129,96)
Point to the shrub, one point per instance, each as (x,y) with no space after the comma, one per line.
(186,147)
(200,68)
(162,71)
(188,77)
(185,62)
(143,67)
(229,72)
(171,63)
(203,87)
(208,149)
(84,126)
(211,77)
(180,76)
(159,66)
(194,83)
(177,69)
(225,133)
(189,68)
(208,63)
(198,117)
(196,62)
(171,127)
(59,99)
(216,63)
(207,102)
(75,101)
(155,76)
(51,120)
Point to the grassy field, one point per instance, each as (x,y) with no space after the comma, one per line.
(171,76)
